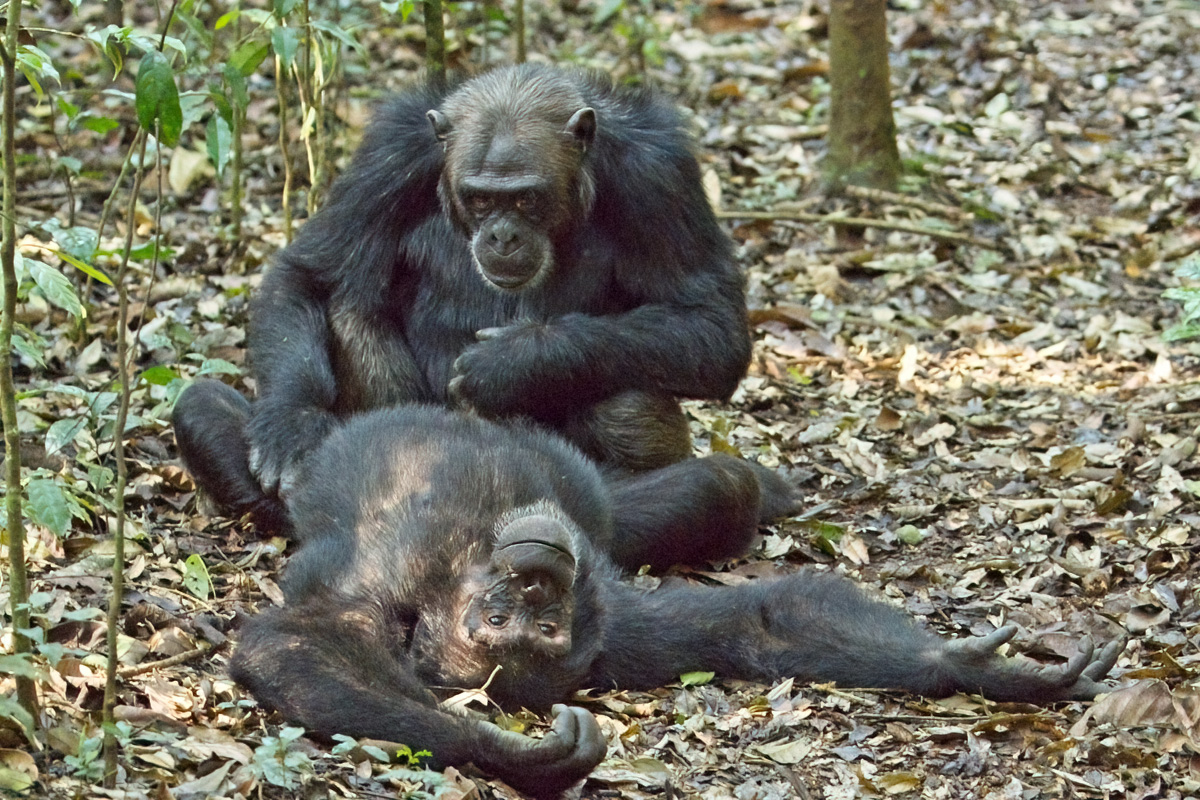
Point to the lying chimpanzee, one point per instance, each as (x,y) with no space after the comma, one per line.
(535,243)
(435,547)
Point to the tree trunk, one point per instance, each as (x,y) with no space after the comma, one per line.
(862,131)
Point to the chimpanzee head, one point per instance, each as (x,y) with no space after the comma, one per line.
(516,176)
(525,602)
(511,621)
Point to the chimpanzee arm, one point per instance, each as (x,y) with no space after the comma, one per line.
(660,249)
(821,627)
(332,668)
(322,331)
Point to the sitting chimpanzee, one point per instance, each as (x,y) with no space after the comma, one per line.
(535,243)
(436,547)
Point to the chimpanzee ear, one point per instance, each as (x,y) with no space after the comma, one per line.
(441,125)
(582,126)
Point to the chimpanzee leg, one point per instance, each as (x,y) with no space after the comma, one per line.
(698,510)
(634,431)
(210,429)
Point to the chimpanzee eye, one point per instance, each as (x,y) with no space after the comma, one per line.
(548,628)
(528,203)
(479,203)
(497,620)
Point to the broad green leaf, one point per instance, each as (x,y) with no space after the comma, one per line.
(55,286)
(247,57)
(158,98)
(19,664)
(696,678)
(218,140)
(103,38)
(11,709)
(159,375)
(337,33)
(284,7)
(34,355)
(195,577)
(78,241)
(48,505)
(285,42)
(226,18)
(63,433)
(100,125)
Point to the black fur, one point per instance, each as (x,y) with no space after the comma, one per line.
(380,301)
(404,524)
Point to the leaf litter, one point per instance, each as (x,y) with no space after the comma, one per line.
(985,435)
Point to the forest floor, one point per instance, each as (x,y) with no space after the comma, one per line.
(987,432)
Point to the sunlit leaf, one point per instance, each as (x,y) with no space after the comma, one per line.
(158,98)
(48,505)
(56,287)
(195,577)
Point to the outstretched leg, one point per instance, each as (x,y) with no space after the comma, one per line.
(821,627)
(341,667)
(210,428)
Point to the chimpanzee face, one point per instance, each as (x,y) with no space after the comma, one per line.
(515,176)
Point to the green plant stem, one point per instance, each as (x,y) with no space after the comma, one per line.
(281,94)
(519,28)
(118,573)
(14,525)
(435,41)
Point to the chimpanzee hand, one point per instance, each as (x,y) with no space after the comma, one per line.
(497,375)
(544,767)
(279,440)
(974,665)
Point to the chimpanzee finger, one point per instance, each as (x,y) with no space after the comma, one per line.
(1104,660)
(483,334)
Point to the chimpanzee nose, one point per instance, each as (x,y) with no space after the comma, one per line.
(502,239)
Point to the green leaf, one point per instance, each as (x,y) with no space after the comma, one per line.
(195,577)
(696,678)
(1187,330)
(32,354)
(19,664)
(63,433)
(337,33)
(79,241)
(100,125)
(85,268)
(247,57)
(11,709)
(909,534)
(218,140)
(55,286)
(48,505)
(160,375)
(158,98)
(285,42)
(218,366)
(226,18)
(284,7)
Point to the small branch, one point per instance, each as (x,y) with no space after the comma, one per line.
(163,663)
(863,222)
(880,196)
